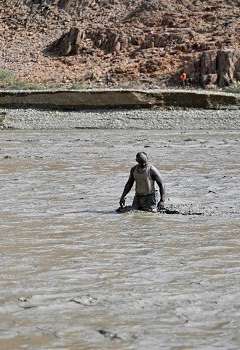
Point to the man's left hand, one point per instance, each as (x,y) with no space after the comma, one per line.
(160,205)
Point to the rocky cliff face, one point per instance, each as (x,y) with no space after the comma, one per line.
(121,43)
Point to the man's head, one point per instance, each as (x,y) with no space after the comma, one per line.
(141,158)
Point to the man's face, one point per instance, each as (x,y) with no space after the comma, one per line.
(138,160)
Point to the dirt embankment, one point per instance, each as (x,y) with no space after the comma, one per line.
(120,43)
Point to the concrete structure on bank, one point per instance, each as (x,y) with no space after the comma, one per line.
(79,99)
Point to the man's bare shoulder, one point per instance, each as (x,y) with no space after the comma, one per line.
(153,168)
(154,171)
(133,168)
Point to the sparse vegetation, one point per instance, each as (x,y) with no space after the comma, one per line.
(235,88)
(9,81)
(79,86)
(6,78)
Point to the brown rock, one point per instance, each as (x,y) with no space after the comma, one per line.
(67,44)
(209,80)
(64,4)
(228,66)
(161,40)
(208,63)
(108,40)
(219,67)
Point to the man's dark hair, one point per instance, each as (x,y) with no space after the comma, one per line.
(142,157)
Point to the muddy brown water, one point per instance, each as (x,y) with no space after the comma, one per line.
(75,275)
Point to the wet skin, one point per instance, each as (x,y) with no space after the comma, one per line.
(153,176)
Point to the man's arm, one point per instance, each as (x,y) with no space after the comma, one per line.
(156,176)
(127,188)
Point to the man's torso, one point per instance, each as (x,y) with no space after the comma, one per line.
(143,179)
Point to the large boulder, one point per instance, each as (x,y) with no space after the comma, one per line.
(208,69)
(64,4)
(219,67)
(68,44)
(228,67)
(151,39)
(108,40)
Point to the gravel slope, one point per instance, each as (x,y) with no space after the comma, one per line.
(121,119)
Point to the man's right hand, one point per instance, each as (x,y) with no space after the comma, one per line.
(122,202)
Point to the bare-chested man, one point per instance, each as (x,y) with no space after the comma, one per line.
(146,196)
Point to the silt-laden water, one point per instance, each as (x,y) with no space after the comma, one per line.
(75,275)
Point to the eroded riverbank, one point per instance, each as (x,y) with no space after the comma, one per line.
(117,98)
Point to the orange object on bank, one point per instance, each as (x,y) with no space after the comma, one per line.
(183,76)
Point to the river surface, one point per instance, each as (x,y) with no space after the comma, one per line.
(77,276)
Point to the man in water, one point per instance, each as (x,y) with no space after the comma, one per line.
(146,196)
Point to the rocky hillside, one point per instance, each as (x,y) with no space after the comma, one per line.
(121,42)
